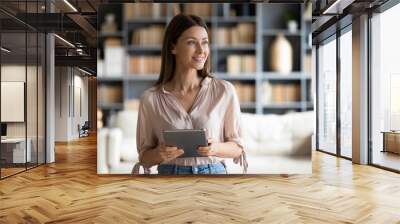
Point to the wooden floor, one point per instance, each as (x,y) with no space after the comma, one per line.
(10,171)
(387,159)
(70,191)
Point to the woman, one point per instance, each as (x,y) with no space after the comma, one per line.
(186,96)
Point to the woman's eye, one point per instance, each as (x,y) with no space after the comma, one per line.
(191,42)
(205,43)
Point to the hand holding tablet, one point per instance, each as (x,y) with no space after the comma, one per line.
(207,150)
(169,152)
(187,139)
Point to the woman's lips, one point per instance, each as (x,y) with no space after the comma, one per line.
(199,59)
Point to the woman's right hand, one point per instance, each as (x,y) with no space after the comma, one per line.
(167,153)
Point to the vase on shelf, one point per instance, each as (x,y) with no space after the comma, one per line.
(292,26)
(281,55)
(109,25)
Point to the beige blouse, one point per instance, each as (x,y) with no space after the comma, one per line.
(216,109)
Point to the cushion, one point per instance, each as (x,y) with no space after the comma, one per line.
(265,134)
(127,121)
(128,150)
(273,164)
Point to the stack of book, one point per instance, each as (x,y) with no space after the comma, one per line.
(246,92)
(281,92)
(307,64)
(109,25)
(198,9)
(109,94)
(145,64)
(237,64)
(149,36)
(144,10)
(114,58)
(131,104)
(100,123)
(243,33)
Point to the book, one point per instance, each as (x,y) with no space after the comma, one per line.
(112,42)
(234,36)
(283,93)
(246,92)
(234,65)
(131,104)
(144,10)
(114,61)
(248,63)
(237,64)
(198,9)
(246,32)
(149,36)
(222,36)
(144,65)
(307,63)
(109,94)
(266,93)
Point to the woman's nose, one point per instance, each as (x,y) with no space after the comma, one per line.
(199,48)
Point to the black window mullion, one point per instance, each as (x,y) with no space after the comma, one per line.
(338,95)
(369,78)
(26,86)
(37,90)
(317,95)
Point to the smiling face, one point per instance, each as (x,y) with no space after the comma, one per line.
(192,48)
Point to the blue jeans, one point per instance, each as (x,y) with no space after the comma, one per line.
(215,168)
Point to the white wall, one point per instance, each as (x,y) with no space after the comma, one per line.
(80,89)
(16,73)
(33,126)
(62,81)
(70,83)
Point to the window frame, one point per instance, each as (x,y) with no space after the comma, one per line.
(347,27)
(378,10)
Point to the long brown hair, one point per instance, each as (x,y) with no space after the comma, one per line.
(175,28)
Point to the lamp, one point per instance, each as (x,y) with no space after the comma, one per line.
(84,71)
(5,50)
(64,40)
(337,7)
(70,5)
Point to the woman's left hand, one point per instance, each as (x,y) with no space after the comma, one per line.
(207,150)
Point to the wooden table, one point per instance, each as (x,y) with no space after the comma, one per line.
(391,141)
(13,150)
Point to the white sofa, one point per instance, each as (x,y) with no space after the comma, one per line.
(274,144)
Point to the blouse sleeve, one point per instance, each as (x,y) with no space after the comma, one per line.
(232,120)
(232,125)
(145,136)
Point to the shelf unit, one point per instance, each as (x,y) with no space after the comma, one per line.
(268,21)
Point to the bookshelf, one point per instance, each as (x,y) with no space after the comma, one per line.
(241,38)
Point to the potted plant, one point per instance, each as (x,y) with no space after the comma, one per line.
(291,21)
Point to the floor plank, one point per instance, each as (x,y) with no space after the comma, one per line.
(70,191)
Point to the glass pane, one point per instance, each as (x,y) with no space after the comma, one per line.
(346,94)
(41,99)
(386,89)
(327,97)
(13,87)
(31,97)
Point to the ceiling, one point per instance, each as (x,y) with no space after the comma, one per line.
(330,16)
(76,26)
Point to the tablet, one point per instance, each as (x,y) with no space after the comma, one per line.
(187,139)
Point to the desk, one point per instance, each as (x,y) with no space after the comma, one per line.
(13,150)
(391,141)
